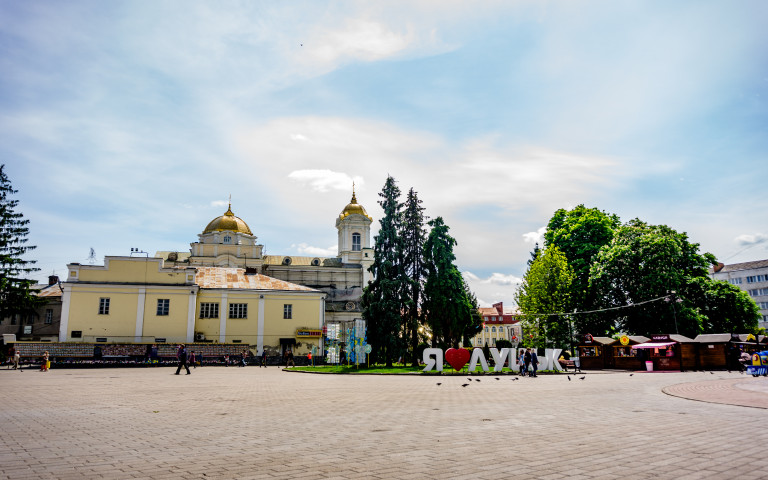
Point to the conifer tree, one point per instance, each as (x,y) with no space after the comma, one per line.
(448,309)
(413,236)
(382,298)
(15,295)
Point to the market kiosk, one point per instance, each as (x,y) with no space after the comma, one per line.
(722,350)
(627,358)
(595,353)
(666,352)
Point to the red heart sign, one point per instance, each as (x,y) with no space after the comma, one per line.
(457,357)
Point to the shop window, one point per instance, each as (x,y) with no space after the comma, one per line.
(163,306)
(590,351)
(104,306)
(238,310)
(209,310)
(287,311)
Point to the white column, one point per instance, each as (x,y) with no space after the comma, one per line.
(139,331)
(65,302)
(223,318)
(191,314)
(260,327)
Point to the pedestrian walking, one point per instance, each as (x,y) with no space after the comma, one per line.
(534,362)
(44,367)
(527,360)
(263,358)
(17,361)
(521,362)
(181,355)
(192,359)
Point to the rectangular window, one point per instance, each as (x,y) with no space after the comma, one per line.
(238,310)
(48,316)
(758,292)
(356,242)
(757,278)
(209,310)
(735,281)
(103,306)
(763,305)
(287,311)
(163,306)
(77,334)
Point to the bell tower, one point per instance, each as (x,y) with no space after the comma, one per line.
(354,226)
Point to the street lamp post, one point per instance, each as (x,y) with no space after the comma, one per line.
(674,300)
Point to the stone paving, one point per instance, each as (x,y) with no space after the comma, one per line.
(253,423)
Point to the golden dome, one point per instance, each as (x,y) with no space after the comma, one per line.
(228,221)
(354,208)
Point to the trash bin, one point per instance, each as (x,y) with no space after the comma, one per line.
(649,366)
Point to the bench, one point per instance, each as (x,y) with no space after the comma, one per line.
(569,363)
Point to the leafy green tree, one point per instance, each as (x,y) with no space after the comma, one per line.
(644,263)
(580,233)
(544,298)
(382,298)
(725,308)
(448,309)
(15,295)
(413,236)
(475,324)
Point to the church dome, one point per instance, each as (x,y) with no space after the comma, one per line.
(354,208)
(228,221)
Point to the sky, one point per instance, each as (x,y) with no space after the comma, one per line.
(128,124)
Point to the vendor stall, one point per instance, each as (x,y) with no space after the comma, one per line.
(595,353)
(627,358)
(723,350)
(666,352)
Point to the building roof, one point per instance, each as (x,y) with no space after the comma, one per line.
(740,266)
(50,291)
(353,208)
(302,261)
(235,278)
(229,222)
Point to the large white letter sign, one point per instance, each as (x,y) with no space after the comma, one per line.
(552,356)
(429,361)
(499,358)
(477,354)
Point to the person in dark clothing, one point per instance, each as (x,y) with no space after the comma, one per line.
(263,358)
(534,362)
(527,359)
(181,355)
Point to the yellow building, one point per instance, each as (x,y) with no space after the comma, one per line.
(223,290)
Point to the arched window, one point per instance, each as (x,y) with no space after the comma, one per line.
(356,247)
(493,329)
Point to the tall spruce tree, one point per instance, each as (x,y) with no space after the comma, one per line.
(15,295)
(382,298)
(413,236)
(448,309)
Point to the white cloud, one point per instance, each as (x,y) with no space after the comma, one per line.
(309,250)
(535,237)
(498,287)
(325,180)
(358,39)
(748,239)
(219,203)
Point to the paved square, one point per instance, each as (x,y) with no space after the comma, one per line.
(252,423)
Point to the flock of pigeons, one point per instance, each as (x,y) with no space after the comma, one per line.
(513,379)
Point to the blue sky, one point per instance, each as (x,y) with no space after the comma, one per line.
(128,124)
